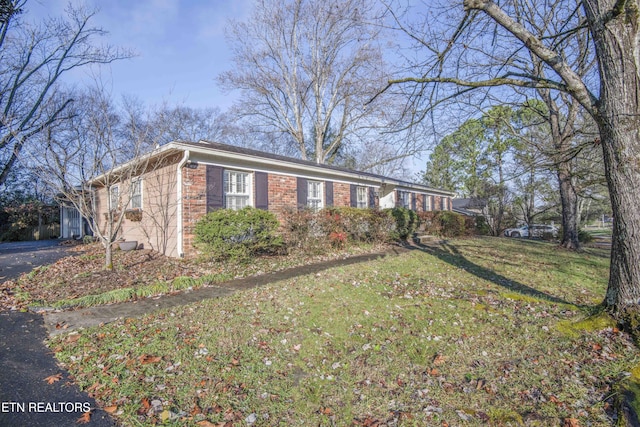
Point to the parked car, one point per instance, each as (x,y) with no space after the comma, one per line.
(536,230)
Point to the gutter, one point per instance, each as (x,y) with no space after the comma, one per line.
(180,237)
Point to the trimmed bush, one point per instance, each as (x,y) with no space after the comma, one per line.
(406,222)
(226,233)
(335,227)
(453,224)
(446,223)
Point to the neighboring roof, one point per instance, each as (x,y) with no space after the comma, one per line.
(472,203)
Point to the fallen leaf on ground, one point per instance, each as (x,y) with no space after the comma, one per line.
(145,359)
(439,360)
(110,409)
(85,418)
(53,378)
(73,338)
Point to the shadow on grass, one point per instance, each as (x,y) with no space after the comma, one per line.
(451,255)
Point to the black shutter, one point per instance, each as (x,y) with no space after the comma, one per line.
(328,193)
(215,187)
(302,193)
(372,198)
(413,201)
(262,190)
(354,195)
(424,202)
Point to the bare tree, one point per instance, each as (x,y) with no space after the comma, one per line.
(32,60)
(306,69)
(486,49)
(100,149)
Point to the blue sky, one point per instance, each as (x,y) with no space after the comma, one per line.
(180,46)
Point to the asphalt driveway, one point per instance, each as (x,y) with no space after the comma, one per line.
(21,257)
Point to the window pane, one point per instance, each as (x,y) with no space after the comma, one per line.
(136,194)
(115,197)
(236,189)
(362,197)
(314,195)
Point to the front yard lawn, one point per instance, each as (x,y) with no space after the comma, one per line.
(81,280)
(471,332)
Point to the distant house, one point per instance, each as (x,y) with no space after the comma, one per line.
(167,200)
(469,207)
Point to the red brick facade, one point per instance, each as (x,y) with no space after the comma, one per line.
(341,194)
(282,193)
(420,203)
(194,203)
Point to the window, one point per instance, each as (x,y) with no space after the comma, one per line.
(114,197)
(404,200)
(237,190)
(362,201)
(136,194)
(427,202)
(314,195)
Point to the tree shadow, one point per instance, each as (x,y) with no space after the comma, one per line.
(451,255)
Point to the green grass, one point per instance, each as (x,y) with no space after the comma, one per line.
(465,333)
(128,294)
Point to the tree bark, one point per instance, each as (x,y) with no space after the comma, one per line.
(569,201)
(615,32)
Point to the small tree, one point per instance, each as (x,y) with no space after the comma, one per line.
(100,149)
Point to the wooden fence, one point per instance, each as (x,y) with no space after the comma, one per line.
(43,232)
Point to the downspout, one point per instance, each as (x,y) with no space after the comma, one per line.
(180,237)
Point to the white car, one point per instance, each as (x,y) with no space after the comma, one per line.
(536,230)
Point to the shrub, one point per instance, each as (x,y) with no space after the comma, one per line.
(334,227)
(302,231)
(584,236)
(406,222)
(446,223)
(482,226)
(453,224)
(238,234)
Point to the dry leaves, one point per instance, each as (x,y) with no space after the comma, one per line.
(85,418)
(146,359)
(53,378)
(111,409)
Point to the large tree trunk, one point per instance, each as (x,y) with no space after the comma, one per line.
(569,201)
(615,33)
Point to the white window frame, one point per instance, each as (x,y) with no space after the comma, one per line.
(427,203)
(237,194)
(362,197)
(114,197)
(136,184)
(404,199)
(315,199)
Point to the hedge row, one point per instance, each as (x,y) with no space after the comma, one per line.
(249,232)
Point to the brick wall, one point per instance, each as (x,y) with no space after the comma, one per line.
(282,193)
(194,203)
(341,194)
(420,202)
